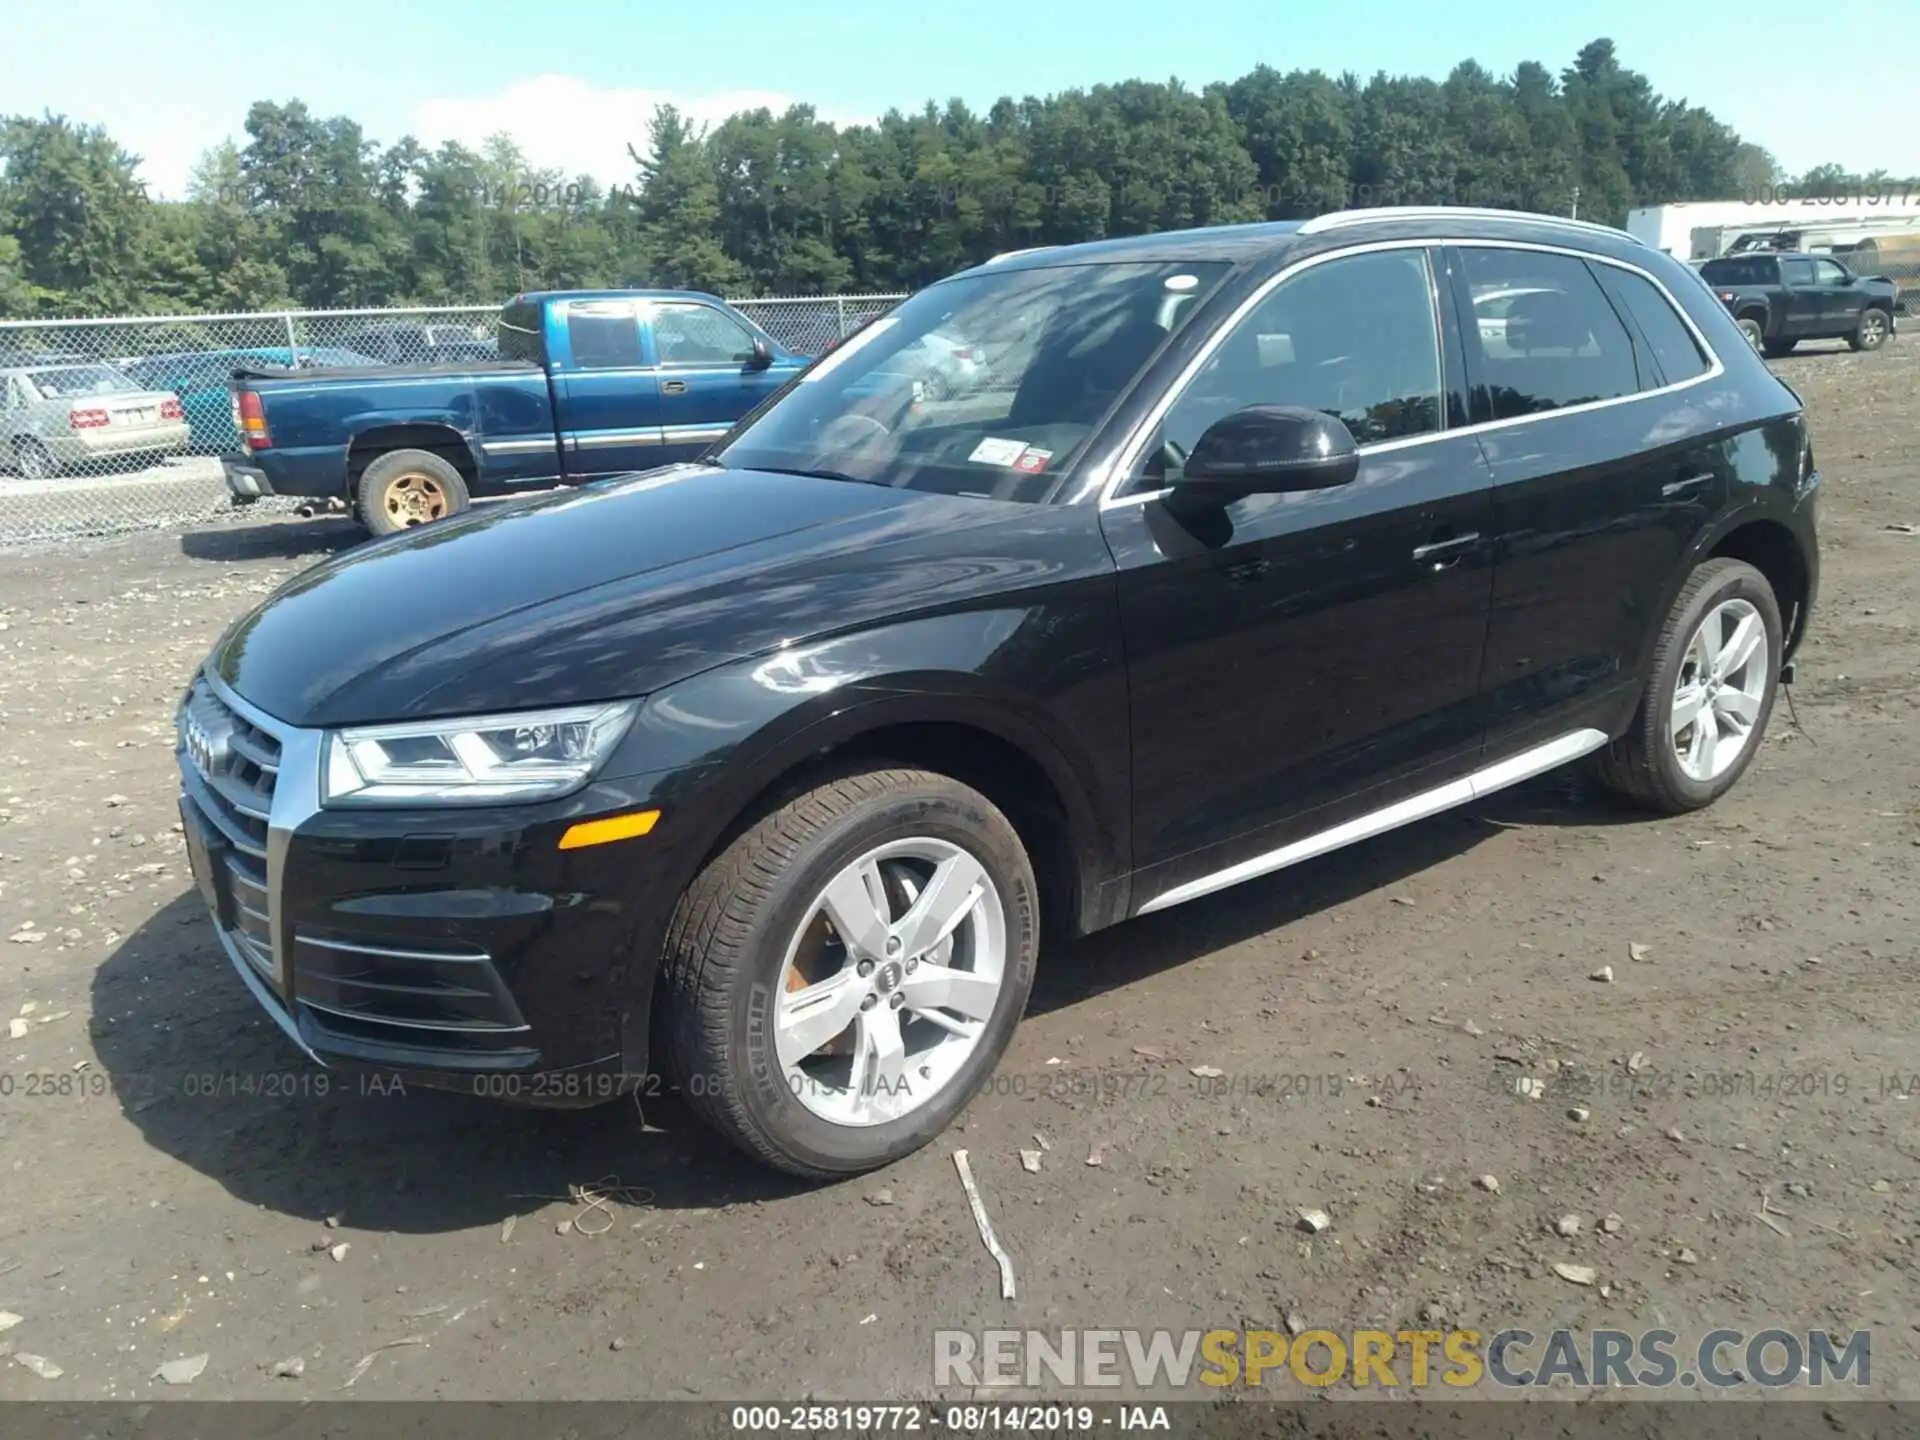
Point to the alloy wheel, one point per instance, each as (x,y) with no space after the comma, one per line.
(1719,692)
(889,982)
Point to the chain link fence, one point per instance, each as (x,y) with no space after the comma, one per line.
(113,425)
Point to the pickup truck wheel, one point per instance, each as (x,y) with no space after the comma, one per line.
(1710,689)
(1871,332)
(1750,328)
(404,488)
(843,977)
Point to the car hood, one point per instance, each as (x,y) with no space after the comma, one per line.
(604,591)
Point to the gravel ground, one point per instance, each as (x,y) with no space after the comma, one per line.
(175,1181)
(171,495)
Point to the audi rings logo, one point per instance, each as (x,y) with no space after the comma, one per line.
(205,747)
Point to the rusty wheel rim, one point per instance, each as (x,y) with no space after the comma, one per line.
(415,499)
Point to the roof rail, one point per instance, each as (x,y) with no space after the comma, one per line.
(1339,219)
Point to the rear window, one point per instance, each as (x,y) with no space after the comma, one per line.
(81,380)
(1741,270)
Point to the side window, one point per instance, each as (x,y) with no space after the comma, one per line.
(1354,337)
(1674,349)
(1548,336)
(1825,272)
(700,335)
(1797,272)
(605,336)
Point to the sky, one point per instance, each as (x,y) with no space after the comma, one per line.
(576,80)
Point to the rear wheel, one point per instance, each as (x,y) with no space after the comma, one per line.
(1709,692)
(1871,331)
(844,976)
(1751,328)
(405,488)
(31,459)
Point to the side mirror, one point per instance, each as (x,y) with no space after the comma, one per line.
(762,356)
(1270,450)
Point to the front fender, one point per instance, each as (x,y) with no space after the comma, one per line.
(744,724)
(1049,683)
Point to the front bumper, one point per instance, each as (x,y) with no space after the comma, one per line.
(460,949)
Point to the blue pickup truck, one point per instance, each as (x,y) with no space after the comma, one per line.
(587,384)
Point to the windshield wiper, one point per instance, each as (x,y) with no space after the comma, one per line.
(820,474)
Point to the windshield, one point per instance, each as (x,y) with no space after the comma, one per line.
(985,385)
(81,380)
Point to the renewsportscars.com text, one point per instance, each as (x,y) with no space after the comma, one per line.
(1509,1358)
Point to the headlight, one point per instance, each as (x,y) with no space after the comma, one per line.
(535,755)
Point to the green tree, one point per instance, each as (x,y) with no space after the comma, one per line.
(75,207)
(310,211)
(678,217)
(1298,130)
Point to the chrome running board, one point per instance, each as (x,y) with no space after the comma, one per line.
(1484,781)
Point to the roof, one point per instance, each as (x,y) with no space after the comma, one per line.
(1261,239)
(537,297)
(1212,242)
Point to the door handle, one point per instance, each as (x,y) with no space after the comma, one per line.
(1446,552)
(1685,483)
(673,387)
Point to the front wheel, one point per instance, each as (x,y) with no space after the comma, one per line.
(1871,331)
(844,976)
(405,488)
(1710,689)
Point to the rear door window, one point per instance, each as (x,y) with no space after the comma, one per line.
(605,335)
(1555,340)
(1741,270)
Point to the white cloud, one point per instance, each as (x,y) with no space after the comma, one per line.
(567,124)
(169,139)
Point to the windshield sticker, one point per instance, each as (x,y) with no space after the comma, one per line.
(1033,460)
(997,452)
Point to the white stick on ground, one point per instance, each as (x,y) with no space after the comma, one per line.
(986,1226)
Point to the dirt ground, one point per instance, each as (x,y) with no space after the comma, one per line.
(172,1176)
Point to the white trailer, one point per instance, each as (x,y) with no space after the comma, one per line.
(1688,229)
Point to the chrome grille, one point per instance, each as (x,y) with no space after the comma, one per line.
(237,762)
